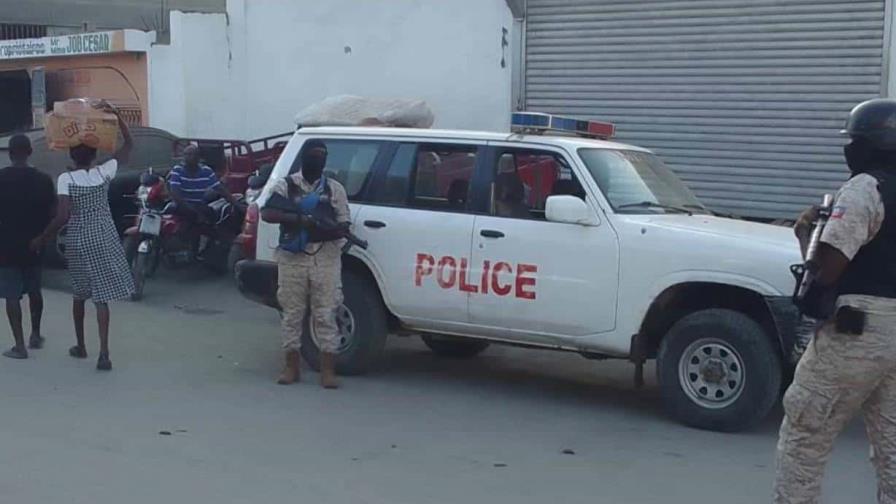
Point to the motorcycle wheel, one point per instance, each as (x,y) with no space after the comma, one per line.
(152,264)
(235,256)
(140,268)
(139,263)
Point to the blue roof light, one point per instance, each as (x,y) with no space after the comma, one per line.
(539,123)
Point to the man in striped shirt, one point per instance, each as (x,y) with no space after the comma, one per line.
(191,182)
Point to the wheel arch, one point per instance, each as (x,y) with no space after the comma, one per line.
(682,299)
(359,266)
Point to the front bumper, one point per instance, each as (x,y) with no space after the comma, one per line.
(787,320)
(257,281)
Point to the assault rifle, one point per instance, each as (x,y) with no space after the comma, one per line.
(815,301)
(306,209)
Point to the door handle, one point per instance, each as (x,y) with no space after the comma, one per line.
(375,224)
(491,233)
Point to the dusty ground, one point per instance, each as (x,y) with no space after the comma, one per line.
(198,361)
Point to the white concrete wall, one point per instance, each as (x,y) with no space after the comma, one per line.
(193,88)
(447,52)
(246,74)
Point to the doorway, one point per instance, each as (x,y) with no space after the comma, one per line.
(15,101)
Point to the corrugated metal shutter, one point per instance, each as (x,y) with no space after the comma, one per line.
(743,99)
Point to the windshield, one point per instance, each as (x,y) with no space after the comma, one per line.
(638,182)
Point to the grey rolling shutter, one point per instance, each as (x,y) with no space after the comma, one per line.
(743,99)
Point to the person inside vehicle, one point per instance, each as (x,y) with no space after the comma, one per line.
(190,184)
(568,187)
(509,196)
(428,163)
(457,194)
(509,163)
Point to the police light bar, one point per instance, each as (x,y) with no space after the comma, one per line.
(538,123)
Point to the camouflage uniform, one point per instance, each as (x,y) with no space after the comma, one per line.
(841,374)
(312,279)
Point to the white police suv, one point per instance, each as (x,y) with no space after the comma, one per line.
(550,237)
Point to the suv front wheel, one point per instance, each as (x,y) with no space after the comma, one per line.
(363,328)
(718,370)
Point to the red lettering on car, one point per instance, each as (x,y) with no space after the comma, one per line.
(523,281)
(464,286)
(500,279)
(448,264)
(422,270)
(501,290)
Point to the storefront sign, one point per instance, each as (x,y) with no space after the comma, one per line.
(67,45)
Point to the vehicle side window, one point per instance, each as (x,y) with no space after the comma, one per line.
(430,176)
(524,179)
(348,161)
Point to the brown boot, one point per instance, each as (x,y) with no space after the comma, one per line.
(290,373)
(328,371)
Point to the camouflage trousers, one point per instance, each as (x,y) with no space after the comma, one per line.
(838,376)
(313,282)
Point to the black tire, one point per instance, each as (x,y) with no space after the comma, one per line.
(720,332)
(455,348)
(139,263)
(235,256)
(140,268)
(364,303)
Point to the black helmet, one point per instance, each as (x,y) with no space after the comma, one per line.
(874,121)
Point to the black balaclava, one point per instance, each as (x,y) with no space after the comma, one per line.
(314,159)
(863,157)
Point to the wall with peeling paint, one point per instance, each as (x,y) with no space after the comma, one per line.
(247,73)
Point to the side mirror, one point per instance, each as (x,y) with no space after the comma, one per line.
(569,210)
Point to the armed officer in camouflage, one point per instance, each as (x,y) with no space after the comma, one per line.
(851,363)
(310,277)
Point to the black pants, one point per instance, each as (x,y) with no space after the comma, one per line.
(195,213)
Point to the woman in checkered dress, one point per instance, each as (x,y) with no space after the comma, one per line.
(96,259)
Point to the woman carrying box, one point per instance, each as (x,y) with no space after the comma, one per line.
(96,259)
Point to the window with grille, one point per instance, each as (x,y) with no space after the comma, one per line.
(10,31)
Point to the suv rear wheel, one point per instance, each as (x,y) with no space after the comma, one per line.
(363,328)
(458,348)
(718,370)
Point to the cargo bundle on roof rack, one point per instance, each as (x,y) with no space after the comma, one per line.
(363,111)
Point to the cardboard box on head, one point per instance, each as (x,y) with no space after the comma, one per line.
(79,121)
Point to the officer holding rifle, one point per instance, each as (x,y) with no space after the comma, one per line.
(310,258)
(851,363)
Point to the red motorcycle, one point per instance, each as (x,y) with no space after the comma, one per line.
(161,237)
